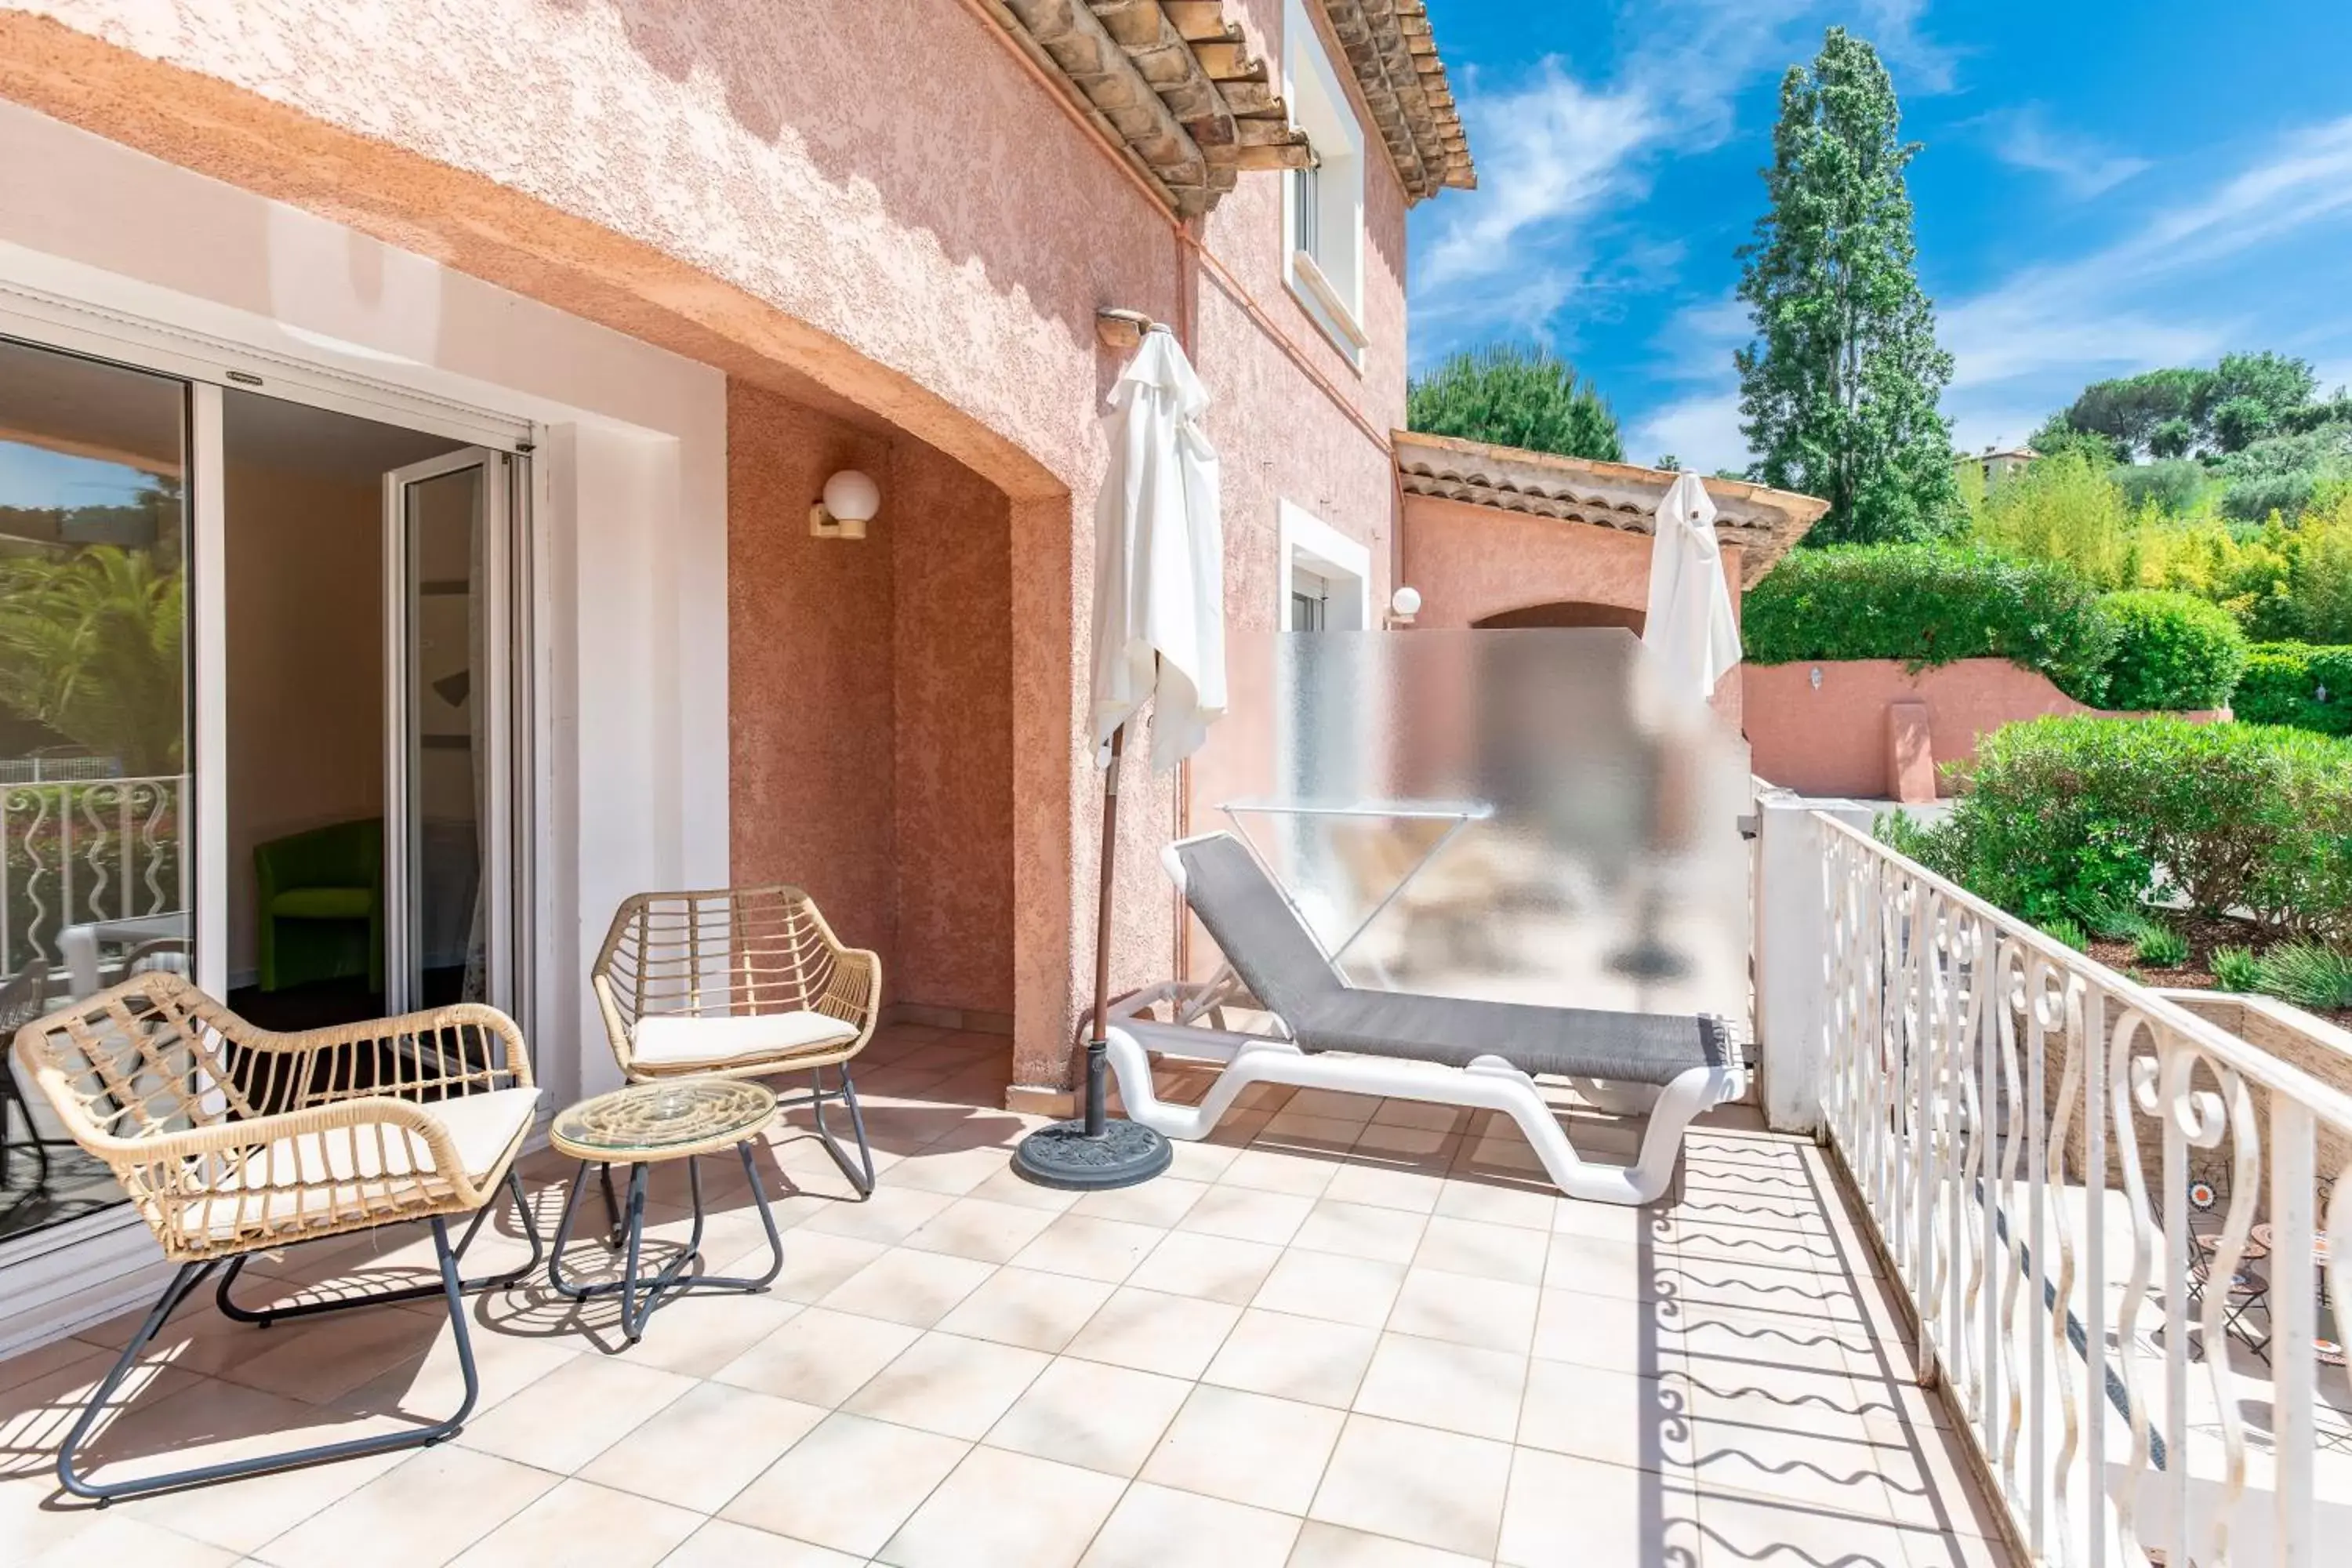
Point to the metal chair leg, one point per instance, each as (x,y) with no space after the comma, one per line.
(861,1176)
(640,1296)
(182,1284)
(264,1317)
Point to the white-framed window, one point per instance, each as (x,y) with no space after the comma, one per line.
(1324,578)
(1323,209)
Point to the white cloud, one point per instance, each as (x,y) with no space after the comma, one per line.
(2024,139)
(1548,153)
(1921,64)
(2131,305)
(1701,432)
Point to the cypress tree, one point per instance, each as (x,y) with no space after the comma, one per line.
(1838,392)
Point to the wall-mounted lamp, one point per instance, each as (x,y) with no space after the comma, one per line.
(850,502)
(1403,605)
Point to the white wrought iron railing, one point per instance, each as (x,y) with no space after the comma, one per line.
(1998,1099)
(83,851)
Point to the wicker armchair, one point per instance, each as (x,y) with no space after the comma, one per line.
(740,982)
(228,1140)
(23,998)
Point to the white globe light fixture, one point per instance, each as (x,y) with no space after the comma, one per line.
(1403,605)
(851,500)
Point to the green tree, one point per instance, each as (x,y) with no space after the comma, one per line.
(2129,409)
(2279,382)
(2057,435)
(90,645)
(2172,437)
(1838,394)
(1514,394)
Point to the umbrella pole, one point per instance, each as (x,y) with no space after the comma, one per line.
(1098,1039)
(1094,1151)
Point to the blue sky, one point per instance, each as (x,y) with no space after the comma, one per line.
(35,477)
(2105,188)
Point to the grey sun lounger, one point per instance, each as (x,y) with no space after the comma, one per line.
(1449,1050)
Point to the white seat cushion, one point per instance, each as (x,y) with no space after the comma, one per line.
(272,1184)
(671,1041)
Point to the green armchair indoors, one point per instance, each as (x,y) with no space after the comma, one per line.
(320,905)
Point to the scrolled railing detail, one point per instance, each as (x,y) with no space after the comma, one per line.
(2022,1126)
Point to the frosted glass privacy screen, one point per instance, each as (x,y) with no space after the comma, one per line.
(1522,815)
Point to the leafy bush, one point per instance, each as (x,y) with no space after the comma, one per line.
(2306,974)
(2173,487)
(2236,968)
(2066,814)
(1514,395)
(2067,930)
(2298,684)
(2160,947)
(2284,473)
(1929,604)
(2064,510)
(2172,651)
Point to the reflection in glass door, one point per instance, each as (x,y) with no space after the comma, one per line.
(448,797)
(96,822)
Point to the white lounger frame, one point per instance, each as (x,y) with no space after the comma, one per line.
(1488,1083)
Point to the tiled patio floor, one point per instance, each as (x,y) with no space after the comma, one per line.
(1357,1334)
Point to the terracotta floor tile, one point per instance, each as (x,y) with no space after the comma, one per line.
(1159,1527)
(956,1387)
(848,1485)
(1107,1418)
(1307,1359)
(1003,1509)
(1434,1488)
(422,1511)
(1246,1448)
(584,1526)
(699,1451)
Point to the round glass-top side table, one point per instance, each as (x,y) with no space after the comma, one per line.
(640,1126)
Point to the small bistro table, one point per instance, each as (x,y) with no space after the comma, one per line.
(2328,1348)
(640,1126)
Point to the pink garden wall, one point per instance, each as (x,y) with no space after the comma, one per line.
(878,218)
(1873,728)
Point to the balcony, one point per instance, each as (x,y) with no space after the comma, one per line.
(1349,1332)
(1961,1323)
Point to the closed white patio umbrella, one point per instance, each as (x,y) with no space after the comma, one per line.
(1692,631)
(1158,634)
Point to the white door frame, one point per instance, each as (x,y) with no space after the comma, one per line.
(60,1277)
(490,686)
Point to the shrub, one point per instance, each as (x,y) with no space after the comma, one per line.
(2069,931)
(2064,509)
(1929,604)
(2067,814)
(2160,947)
(2298,684)
(2283,473)
(2236,968)
(2172,651)
(2306,974)
(2173,487)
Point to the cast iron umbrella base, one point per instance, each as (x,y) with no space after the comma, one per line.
(1063,1156)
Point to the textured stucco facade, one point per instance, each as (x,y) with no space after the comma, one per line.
(878,222)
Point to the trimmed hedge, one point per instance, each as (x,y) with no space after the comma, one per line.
(2066,816)
(2172,651)
(1929,604)
(2282,685)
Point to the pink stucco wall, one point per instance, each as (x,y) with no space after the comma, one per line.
(875,212)
(870,705)
(1473,563)
(1834,741)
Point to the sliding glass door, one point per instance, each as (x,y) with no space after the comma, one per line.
(448,833)
(97,817)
